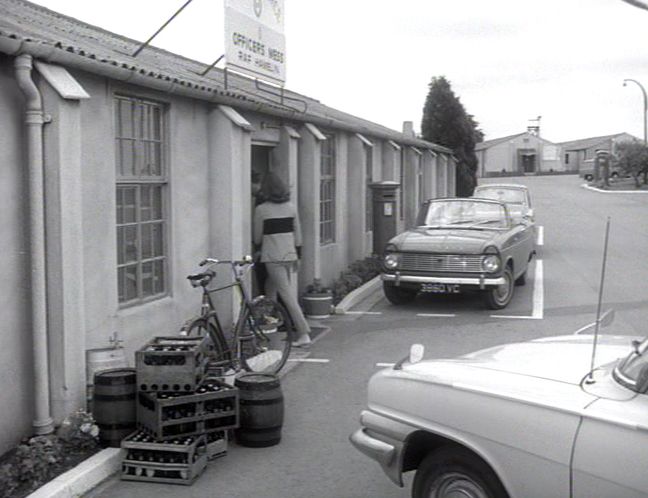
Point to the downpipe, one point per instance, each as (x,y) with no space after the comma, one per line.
(35,119)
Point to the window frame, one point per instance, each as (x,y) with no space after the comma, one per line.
(328,190)
(369,150)
(146,173)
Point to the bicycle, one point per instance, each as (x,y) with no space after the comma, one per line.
(262,334)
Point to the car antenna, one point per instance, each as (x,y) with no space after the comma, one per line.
(590,376)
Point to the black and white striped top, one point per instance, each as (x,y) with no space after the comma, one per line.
(277,231)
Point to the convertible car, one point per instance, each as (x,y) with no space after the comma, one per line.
(459,245)
(527,420)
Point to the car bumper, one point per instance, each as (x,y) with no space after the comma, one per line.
(481,281)
(383,440)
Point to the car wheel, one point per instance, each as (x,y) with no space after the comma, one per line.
(397,295)
(521,280)
(589,178)
(453,472)
(499,297)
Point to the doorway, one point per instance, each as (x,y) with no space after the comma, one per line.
(261,163)
(527,160)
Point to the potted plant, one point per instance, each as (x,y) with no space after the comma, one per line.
(317,300)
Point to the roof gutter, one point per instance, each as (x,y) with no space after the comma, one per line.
(35,119)
(130,73)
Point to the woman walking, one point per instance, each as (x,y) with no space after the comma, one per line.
(278,233)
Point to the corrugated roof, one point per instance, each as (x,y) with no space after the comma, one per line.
(587,143)
(50,36)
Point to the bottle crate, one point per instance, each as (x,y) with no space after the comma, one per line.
(179,461)
(213,407)
(172,364)
(216,444)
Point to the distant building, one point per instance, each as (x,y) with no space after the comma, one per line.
(576,152)
(525,154)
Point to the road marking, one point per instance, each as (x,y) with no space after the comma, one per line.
(538,296)
(540,240)
(363,312)
(309,360)
(388,365)
(440,315)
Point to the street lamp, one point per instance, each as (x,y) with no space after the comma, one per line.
(645,106)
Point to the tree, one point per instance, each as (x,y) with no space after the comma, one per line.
(446,122)
(632,158)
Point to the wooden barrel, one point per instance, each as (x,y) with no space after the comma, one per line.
(114,407)
(261,410)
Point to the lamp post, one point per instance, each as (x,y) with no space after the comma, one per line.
(645,105)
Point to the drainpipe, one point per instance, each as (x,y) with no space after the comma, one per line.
(34,118)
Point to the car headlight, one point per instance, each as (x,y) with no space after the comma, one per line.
(391,261)
(491,263)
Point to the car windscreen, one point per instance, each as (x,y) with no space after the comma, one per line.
(509,195)
(463,214)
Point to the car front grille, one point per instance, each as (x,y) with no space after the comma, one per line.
(461,263)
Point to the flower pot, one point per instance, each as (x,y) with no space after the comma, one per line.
(317,305)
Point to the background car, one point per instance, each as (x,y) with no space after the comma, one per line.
(515,196)
(459,245)
(527,420)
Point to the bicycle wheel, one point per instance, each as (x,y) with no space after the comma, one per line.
(265,335)
(219,352)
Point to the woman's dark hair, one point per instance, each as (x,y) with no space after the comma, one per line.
(274,189)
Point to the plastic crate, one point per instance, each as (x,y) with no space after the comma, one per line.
(175,462)
(212,408)
(172,364)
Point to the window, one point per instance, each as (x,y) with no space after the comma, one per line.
(419,180)
(368,180)
(401,178)
(567,158)
(141,200)
(327,191)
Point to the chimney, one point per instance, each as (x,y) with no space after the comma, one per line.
(408,128)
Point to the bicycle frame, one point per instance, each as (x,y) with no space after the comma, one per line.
(208,310)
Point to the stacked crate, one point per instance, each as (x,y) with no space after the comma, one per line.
(183,414)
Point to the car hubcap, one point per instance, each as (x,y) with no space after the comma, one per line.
(455,485)
(502,292)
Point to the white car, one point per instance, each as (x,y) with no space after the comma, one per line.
(523,420)
(515,196)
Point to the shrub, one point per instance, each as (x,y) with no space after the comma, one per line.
(358,273)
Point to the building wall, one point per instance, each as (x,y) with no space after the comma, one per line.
(187,210)
(208,214)
(16,408)
(506,157)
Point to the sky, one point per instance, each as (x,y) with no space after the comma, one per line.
(508,61)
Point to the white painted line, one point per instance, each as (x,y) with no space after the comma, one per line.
(440,315)
(388,365)
(515,317)
(309,360)
(538,291)
(540,240)
(538,297)
(363,312)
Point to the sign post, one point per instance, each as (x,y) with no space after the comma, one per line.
(255,44)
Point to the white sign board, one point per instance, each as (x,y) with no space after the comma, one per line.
(254,38)
(550,153)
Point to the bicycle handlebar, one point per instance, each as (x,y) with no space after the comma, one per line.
(247,260)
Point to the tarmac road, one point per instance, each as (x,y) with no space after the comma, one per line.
(323,399)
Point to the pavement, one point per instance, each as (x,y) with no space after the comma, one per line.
(101,466)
